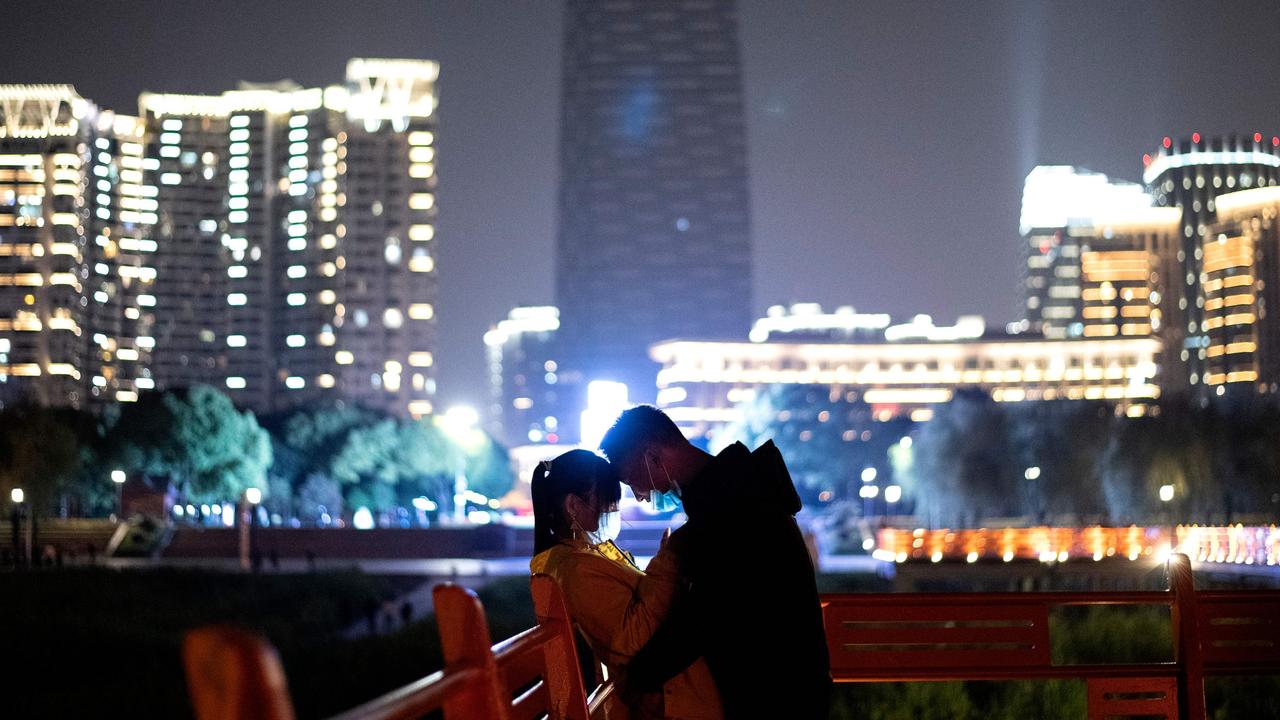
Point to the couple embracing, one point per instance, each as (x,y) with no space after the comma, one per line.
(724,621)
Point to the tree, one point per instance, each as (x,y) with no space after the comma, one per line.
(197,438)
(963,464)
(1064,441)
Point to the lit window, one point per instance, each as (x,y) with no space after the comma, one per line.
(295,272)
(392,317)
(295,341)
(327,297)
(236,383)
(236,341)
(237,299)
(295,383)
(325,381)
(344,357)
(421,263)
(296,299)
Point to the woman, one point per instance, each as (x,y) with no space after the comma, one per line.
(614,604)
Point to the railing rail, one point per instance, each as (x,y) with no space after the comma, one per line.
(871,637)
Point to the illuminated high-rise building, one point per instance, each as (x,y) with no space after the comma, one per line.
(525,402)
(1190,174)
(1241,288)
(654,236)
(274,241)
(296,254)
(1060,210)
(75,246)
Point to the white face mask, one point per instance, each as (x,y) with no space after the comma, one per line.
(608,529)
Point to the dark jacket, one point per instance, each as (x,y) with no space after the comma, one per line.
(752,608)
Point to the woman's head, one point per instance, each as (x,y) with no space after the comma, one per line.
(569,494)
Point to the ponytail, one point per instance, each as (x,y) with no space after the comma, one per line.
(544,512)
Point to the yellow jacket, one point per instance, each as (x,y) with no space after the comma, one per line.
(617,608)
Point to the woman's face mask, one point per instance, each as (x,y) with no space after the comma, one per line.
(608,529)
(608,525)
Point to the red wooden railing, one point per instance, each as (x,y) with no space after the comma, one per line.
(871,638)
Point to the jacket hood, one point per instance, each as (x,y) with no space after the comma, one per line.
(739,479)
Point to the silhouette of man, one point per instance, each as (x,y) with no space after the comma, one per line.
(752,607)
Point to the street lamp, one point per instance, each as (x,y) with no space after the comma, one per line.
(17,496)
(118,477)
(248,503)
(1032,473)
(893,494)
(459,425)
(1166,496)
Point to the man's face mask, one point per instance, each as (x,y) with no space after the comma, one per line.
(663,500)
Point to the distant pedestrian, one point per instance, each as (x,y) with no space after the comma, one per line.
(388,616)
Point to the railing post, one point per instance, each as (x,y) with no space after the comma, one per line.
(1186,630)
(234,675)
(563,673)
(464,637)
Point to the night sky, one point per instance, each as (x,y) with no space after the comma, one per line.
(888,140)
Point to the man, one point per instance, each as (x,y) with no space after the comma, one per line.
(752,608)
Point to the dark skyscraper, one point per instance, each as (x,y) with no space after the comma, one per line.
(654,232)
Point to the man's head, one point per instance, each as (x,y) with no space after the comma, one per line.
(649,451)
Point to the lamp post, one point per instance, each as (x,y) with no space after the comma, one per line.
(459,425)
(17,496)
(249,500)
(118,477)
(1166,497)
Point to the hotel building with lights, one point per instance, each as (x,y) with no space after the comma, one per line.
(898,370)
(274,241)
(1190,174)
(1241,288)
(77,263)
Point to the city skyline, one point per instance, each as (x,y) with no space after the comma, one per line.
(863,144)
